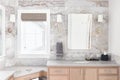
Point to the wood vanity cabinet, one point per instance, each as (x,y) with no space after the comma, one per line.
(11,78)
(58,73)
(32,76)
(76,74)
(119,73)
(108,73)
(83,73)
(28,77)
(90,74)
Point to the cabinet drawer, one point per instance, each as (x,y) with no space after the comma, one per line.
(11,78)
(60,71)
(108,78)
(108,71)
(34,75)
(76,74)
(58,78)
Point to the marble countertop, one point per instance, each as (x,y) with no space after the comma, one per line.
(81,63)
(18,71)
(4,75)
(24,70)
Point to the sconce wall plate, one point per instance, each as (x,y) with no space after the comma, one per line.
(59,18)
(12,18)
(100,18)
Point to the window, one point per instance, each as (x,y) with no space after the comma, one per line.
(2,31)
(33,33)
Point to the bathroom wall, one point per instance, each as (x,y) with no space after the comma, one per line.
(114,29)
(58,30)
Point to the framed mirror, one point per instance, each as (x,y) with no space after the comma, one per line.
(79,31)
(2,31)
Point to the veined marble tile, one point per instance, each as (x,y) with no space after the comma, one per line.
(59,32)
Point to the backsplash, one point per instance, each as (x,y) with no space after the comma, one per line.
(58,30)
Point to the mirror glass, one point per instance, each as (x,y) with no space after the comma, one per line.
(79,31)
(2,31)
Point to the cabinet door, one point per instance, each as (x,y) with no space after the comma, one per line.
(28,77)
(90,74)
(119,73)
(58,71)
(11,78)
(76,74)
(58,77)
(108,70)
(108,77)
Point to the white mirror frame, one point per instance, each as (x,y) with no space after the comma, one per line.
(79,31)
(3,31)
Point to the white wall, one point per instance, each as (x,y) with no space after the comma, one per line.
(114,26)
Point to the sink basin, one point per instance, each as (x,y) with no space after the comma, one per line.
(23,71)
(73,62)
(67,62)
(81,62)
(28,70)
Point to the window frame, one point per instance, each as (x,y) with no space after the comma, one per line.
(47,37)
(3,31)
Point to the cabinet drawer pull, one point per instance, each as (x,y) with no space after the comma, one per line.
(110,77)
(58,71)
(108,71)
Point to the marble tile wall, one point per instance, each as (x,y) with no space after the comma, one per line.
(58,30)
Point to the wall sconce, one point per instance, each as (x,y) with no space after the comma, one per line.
(12,18)
(100,18)
(59,18)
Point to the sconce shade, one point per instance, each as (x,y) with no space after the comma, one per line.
(59,18)
(12,18)
(100,18)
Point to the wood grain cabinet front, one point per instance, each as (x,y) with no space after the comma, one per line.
(11,78)
(119,73)
(59,71)
(108,77)
(58,77)
(76,74)
(108,70)
(108,73)
(90,74)
(29,76)
(83,73)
